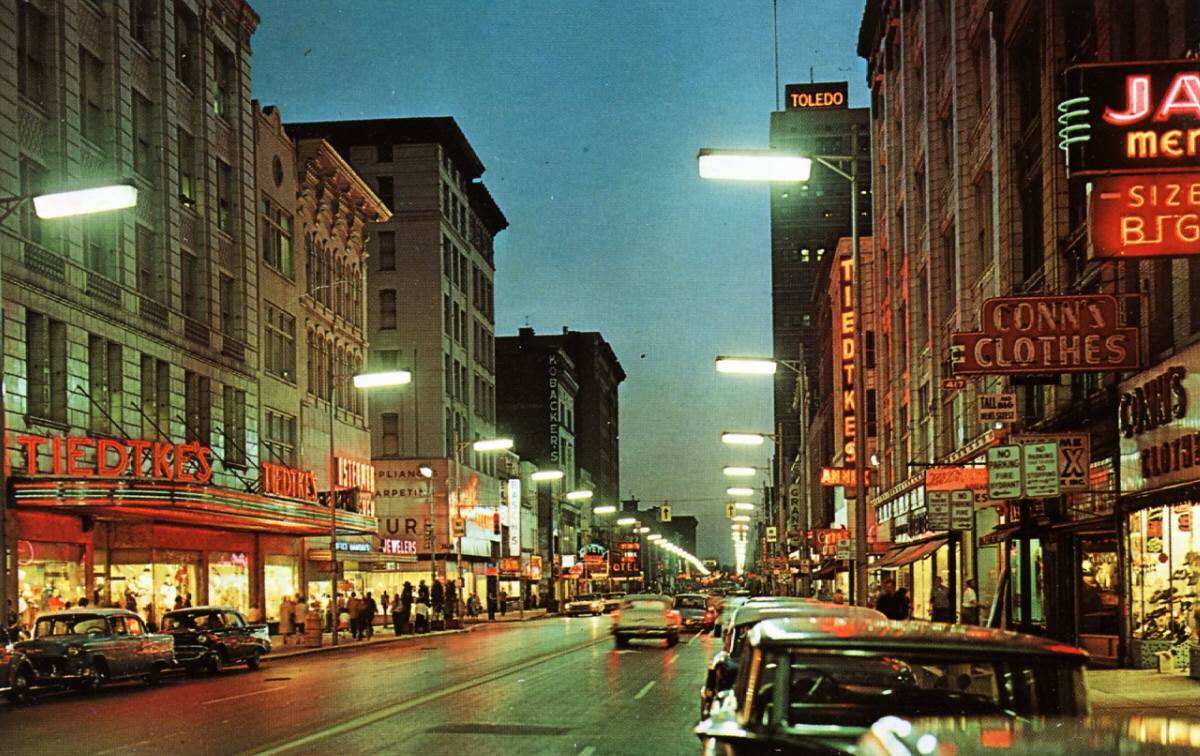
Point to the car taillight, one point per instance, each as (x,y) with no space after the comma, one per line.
(616,614)
(709,614)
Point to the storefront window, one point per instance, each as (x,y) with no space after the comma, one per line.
(153,582)
(1164,571)
(1036,586)
(987,564)
(49,576)
(229,580)
(281,577)
(1099,586)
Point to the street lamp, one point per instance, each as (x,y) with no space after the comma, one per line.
(743,506)
(46,206)
(625,522)
(744,439)
(754,172)
(544,475)
(739,491)
(753,165)
(360,381)
(736,471)
(427,473)
(479,445)
(604,509)
(580,495)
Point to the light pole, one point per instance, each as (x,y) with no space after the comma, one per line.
(479,445)
(605,510)
(777,165)
(550,476)
(46,206)
(427,473)
(359,381)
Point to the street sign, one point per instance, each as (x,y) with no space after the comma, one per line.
(1039,462)
(772,534)
(664,512)
(1000,408)
(962,510)
(845,548)
(1074,457)
(1004,472)
(937,505)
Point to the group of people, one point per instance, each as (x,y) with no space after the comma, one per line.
(896,604)
(416,611)
(293,616)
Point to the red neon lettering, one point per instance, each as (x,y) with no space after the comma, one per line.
(75,450)
(1138,102)
(56,455)
(102,467)
(160,465)
(1183,96)
(136,448)
(31,444)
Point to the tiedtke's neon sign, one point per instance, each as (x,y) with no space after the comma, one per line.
(84,456)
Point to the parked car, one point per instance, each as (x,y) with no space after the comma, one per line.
(722,670)
(16,671)
(695,611)
(209,637)
(613,601)
(646,615)
(86,648)
(819,683)
(585,603)
(729,603)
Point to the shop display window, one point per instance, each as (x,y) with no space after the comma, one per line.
(229,580)
(281,577)
(49,577)
(1099,586)
(1036,584)
(1164,572)
(153,582)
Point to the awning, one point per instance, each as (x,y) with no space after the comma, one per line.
(1000,534)
(907,554)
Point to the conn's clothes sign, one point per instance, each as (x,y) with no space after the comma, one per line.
(1158,424)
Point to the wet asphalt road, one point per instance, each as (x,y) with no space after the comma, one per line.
(553,686)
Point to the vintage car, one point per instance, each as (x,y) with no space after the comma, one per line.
(209,637)
(819,683)
(586,603)
(613,600)
(695,610)
(87,648)
(16,671)
(722,670)
(646,615)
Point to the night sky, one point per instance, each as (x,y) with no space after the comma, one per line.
(587,116)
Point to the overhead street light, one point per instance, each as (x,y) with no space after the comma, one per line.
(604,509)
(579,495)
(744,506)
(627,521)
(746,365)
(492,444)
(382,379)
(744,439)
(741,518)
(753,165)
(542,475)
(734,471)
(739,491)
(643,529)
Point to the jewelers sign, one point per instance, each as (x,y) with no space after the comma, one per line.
(1158,415)
(1046,334)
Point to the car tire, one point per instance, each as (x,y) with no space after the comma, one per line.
(154,676)
(97,676)
(254,660)
(215,662)
(620,641)
(20,692)
(672,640)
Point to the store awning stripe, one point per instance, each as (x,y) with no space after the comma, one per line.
(900,556)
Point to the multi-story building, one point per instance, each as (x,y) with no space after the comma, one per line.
(973,201)
(314,215)
(806,222)
(132,338)
(430,303)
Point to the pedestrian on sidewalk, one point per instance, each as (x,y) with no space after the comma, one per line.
(366,617)
(422,617)
(285,617)
(353,609)
(491,604)
(438,600)
(473,606)
(905,604)
(395,609)
(503,602)
(300,617)
(406,603)
(939,601)
(970,603)
(451,601)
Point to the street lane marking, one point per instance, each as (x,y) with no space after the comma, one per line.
(243,695)
(671,659)
(588,751)
(645,689)
(390,711)
(693,639)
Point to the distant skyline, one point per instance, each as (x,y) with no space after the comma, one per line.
(588,118)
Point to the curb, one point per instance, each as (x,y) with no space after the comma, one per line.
(352,644)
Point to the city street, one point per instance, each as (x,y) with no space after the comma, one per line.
(554,686)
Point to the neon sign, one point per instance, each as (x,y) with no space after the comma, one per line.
(116,458)
(1145,215)
(816,96)
(281,480)
(844,356)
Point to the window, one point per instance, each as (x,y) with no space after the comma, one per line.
(149,268)
(91,96)
(191,277)
(386,191)
(447,258)
(279,438)
(105,377)
(33,180)
(197,401)
(98,245)
(277,238)
(187,169)
(447,315)
(141,18)
(143,136)
(223,83)
(187,45)
(234,439)
(383,153)
(33,51)
(280,346)
(230,293)
(224,197)
(156,398)
(390,434)
(387,309)
(387,250)
(46,367)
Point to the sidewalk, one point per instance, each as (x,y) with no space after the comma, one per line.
(1142,691)
(383,634)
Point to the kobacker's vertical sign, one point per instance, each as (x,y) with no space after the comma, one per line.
(844,358)
(552,382)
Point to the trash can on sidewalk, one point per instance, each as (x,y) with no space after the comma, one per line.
(312,635)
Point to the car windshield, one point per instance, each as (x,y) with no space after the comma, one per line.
(647,604)
(691,602)
(840,689)
(587,597)
(74,624)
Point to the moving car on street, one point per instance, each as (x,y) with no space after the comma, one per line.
(646,615)
(16,671)
(819,683)
(86,648)
(613,600)
(585,603)
(695,611)
(210,637)
(722,670)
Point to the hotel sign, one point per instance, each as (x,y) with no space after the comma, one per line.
(1131,117)
(1143,215)
(1046,334)
(818,96)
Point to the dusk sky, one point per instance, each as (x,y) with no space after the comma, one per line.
(588,116)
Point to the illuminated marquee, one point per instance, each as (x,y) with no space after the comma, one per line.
(281,480)
(844,356)
(116,458)
(1144,215)
(1127,117)
(842,476)
(1046,334)
(816,96)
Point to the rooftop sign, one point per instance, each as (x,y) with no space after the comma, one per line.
(816,96)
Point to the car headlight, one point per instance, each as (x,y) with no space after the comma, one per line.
(74,650)
(202,638)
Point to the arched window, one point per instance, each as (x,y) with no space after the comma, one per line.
(329,369)
(310,363)
(339,288)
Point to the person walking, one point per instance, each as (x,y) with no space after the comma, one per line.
(904,603)
(300,617)
(888,602)
(406,603)
(286,612)
(970,603)
(451,601)
(491,604)
(438,600)
(473,606)
(423,608)
(395,610)
(353,608)
(366,617)
(503,602)
(939,601)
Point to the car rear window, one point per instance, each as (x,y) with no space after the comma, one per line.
(647,604)
(691,602)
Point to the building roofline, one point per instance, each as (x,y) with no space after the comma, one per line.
(443,130)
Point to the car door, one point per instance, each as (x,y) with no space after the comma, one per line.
(236,639)
(120,650)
